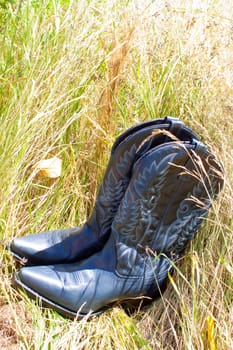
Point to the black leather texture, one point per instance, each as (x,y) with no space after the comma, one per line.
(170,191)
(74,244)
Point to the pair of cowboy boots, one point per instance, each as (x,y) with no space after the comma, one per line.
(158,187)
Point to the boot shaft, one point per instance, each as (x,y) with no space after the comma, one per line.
(169,194)
(129,147)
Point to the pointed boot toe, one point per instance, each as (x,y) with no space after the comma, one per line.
(60,287)
(42,279)
(21,249)
(34,249)
(44,284)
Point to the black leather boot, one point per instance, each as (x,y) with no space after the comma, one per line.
(169,194)
(68,245)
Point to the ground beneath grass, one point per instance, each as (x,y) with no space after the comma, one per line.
(9,337)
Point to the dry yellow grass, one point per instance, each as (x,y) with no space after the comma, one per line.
(73,76)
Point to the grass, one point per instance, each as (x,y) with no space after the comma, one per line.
(74,75)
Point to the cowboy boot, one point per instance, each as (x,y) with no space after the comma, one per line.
(74,244)
(169,194)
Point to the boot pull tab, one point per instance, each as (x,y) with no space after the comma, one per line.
(181,131)
(199,147)
(175,126)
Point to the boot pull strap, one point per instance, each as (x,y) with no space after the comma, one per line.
(181,131)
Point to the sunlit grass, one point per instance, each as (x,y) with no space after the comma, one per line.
(74,75)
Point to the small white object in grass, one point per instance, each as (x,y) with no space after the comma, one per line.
(50,168)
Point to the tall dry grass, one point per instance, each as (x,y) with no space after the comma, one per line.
(74,75)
